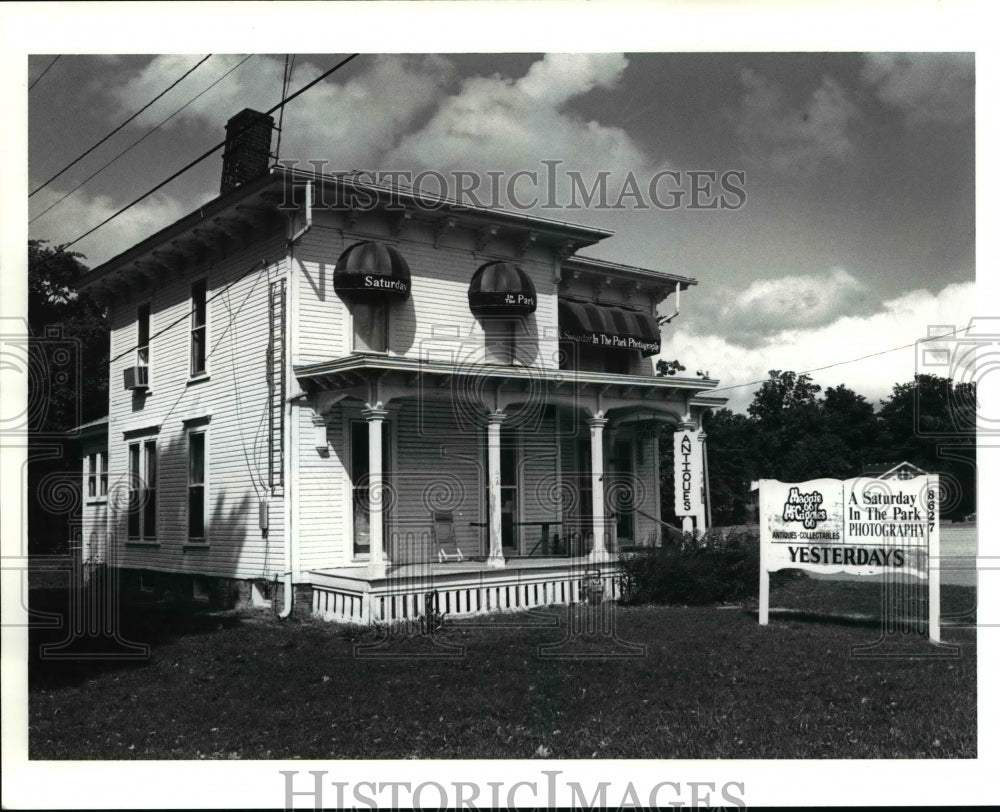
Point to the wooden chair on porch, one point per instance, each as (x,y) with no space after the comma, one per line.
(444,537)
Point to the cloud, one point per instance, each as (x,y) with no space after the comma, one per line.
(559,77)
(349,123)
(769,306)
(81,212)
(789,137)
(502,124)
(925,87)
(901,322)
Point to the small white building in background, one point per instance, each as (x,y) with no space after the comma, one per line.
(343,392)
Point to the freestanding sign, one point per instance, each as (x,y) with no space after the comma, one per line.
(862,526)
(687,474)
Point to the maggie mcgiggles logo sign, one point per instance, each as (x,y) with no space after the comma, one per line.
(804,508)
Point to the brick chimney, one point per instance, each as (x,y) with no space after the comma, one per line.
(247,153)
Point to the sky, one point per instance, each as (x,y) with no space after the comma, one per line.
(856,233)
(848,226)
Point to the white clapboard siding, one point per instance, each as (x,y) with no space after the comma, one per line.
(230,405)
(323,493)
(435,321)
(439,466)
(538,475)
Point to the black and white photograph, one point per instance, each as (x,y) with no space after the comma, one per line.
(466,405)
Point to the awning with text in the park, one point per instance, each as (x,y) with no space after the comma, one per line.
(609,326)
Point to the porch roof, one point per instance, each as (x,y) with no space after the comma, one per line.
(372,371)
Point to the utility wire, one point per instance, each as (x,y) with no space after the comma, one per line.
(286,79)
(207,154)
(39,77)
(116,129)
(140,140)
(849,361)
(186,315)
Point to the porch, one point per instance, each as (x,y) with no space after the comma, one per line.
(521,462)
(460,588)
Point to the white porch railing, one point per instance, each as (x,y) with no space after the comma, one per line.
(397,598)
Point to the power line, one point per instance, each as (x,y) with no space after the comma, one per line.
(207,154)
(39,77)
(842,363)
(286,80)
(141,139)
(256,266)
(116,129)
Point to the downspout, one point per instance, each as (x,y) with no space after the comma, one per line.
(291,427)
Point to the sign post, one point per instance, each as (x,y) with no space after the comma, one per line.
(687,477)
(860,526)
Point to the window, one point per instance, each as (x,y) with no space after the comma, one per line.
(199,326)
(584,357)
(142,340)
(508,492)
(97,475)
(371,333)
(501,340)
(92,476)
(196,486)
(623,490)
(142,490)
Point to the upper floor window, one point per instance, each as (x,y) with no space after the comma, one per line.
(584,357)
(501,340)
(371,326)
(142,339)
(199,326)
(369,276)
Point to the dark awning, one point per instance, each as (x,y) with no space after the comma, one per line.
(502,289)
(371,270)
(612,327)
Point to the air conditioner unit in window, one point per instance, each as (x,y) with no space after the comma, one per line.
(137,377)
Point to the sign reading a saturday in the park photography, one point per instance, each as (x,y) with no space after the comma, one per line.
(861,526)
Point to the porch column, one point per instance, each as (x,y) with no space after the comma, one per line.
(495,558)
(599,552)
(376,561)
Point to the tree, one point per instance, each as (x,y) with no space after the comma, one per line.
(59,316)
(732,452)
(68,346)
(930,422)
(784,411)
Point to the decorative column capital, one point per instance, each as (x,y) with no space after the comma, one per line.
(373,413)
(597,422)
(685,425)
(496,418)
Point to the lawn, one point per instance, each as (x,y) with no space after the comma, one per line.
(710,683)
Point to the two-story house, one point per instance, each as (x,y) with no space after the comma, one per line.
(342,396)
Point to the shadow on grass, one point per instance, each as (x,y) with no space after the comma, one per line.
(79,648)
(827,618)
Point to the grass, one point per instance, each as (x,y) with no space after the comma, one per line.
(712,684)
